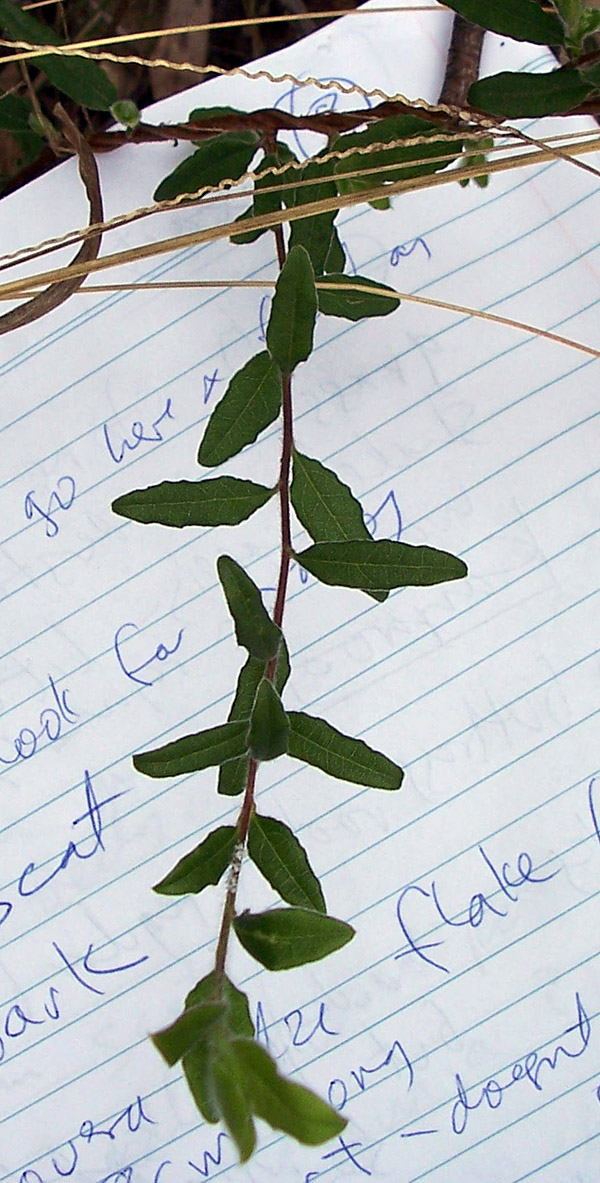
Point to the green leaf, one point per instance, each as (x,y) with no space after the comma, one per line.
(79,78)
(590,75)
(191,753)
(515,95)
(223,501)
(351,304)
(316,742)
(231,1098)
(254,628)
(380,564)
(233,774)
(269,191)
(326,507)
(225,157)
(199,114)
(236,1020)
(317,233)
(251,402)
(285,937)
(126,112)
(409,160)
(15,114)
(293,312)
(523,20)
(189,1028)
(284,1104)
(282,860)
(336,256)
(269,728)
(203,866)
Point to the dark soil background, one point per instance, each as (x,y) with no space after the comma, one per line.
(79,20)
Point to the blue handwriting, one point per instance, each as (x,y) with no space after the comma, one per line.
(479,905)
(138,435)
(210,381)
(343,1148)
(301,1029)
(532,1067)
(338,1093)
(50,722)
(161,653)
(262,318)
(87,847)
(58,500)
(404,249)
(64,1163)
(326,101)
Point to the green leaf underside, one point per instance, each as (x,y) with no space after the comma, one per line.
(232,776)
(284,1104)
(189,1028)
(192,753)
(316,742)
(523,20)
(431,156)
(293,312)
(231,1097)
(220,501)
(79,78)
(352,304)
(326,507)
(269,727)
(223,158)
(254,628)
(336,255)
(380,564)
(514,95)
(251,402)
(287,937)
(277,853)
(203,866)
(237,1022)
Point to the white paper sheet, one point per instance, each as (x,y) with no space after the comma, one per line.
(460,1030)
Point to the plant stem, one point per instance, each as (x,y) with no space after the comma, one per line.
(247,808)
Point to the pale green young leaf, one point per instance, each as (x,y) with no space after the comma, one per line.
(316,742)
(251,402)
(221,501)
(231,1097)
(279,856)
(352,304)
(513,95)
(286,937)
(189,1028)
(233,774)
(203,866)
(284,1104)
(380,564)
(224,157)
(326,507)
(523,20)
(254,628)
(293,312)
(192,753)
(269,728)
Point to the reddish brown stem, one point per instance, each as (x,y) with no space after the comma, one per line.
(247,809)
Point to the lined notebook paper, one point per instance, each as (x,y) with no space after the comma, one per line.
(459,1031)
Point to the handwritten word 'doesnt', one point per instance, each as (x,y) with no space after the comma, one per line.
(33,879)
(533,1068)
(51,721)
(479,907)
(60,499)
(161,653)
(138,434)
